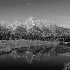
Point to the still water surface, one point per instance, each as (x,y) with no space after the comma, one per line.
(51,62)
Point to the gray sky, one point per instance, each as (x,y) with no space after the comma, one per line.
(55,11)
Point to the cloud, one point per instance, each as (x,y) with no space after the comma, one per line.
(64,18)
(28,3)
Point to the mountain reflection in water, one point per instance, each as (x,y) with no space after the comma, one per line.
(52,61)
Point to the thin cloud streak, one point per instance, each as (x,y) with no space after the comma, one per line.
(64,18)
